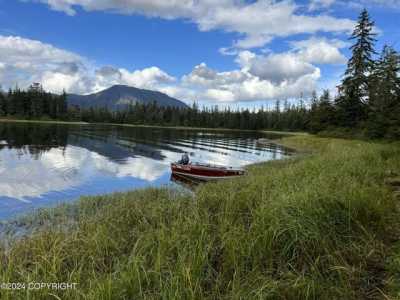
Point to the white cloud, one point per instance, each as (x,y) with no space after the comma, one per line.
(358,4)
(277,67)
(220,95)
(320,4)
(14,49)
(270,75)
(321,51)
(258,76)
(26,60)
(367,3)
(252,41)
(202,75)
(257,22)
(149,78)
(56,82)
(254,89)
(23,61)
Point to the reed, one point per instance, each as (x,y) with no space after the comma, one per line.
(318,226)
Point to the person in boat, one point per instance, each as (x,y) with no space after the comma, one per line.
(184,159)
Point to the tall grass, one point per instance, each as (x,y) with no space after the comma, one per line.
(319,226)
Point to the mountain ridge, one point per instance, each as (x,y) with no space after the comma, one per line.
(119,97)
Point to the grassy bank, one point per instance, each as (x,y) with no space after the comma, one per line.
(320,226)
(45,121)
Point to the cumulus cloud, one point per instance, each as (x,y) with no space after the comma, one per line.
(150,78)
(68,68)
(321,51)
(58,82)
(26,60)
(257,77)
(254,88)
(14,49)
(147,77)
(276,67)
(269,75)
(202,75)
(23,61)
(257,22)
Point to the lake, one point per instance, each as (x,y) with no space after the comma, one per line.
(46,164)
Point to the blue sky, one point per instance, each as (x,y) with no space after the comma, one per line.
(227,52)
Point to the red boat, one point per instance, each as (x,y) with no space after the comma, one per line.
(205,171)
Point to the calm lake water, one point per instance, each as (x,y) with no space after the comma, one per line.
(43,165)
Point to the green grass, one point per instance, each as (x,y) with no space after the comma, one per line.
(42,121)
(285,133)
(317,226)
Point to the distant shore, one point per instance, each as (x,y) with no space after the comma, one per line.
(5,120)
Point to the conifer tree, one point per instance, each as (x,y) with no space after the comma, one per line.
(354,89)
(322,113)
(384,104)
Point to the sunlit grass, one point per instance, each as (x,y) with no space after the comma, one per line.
(317,226)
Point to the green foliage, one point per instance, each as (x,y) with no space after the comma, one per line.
(322,114)
(384,99)
(354,90)
(33,104)
(288,118)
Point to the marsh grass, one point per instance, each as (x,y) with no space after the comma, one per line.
(317,226)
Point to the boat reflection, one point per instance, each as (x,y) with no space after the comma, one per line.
(185,181)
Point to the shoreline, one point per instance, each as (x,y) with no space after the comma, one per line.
(42,122)
(288,133)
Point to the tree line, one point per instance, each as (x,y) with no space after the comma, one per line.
(33,103)
(368,101)
(369,94)
(291,118)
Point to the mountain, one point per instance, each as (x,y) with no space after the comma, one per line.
(119,97)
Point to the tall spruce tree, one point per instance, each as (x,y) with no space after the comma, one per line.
(384,99)
(354,89)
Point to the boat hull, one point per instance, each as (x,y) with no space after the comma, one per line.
(205,172)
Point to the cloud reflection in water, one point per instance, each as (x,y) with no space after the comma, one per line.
(40,168)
